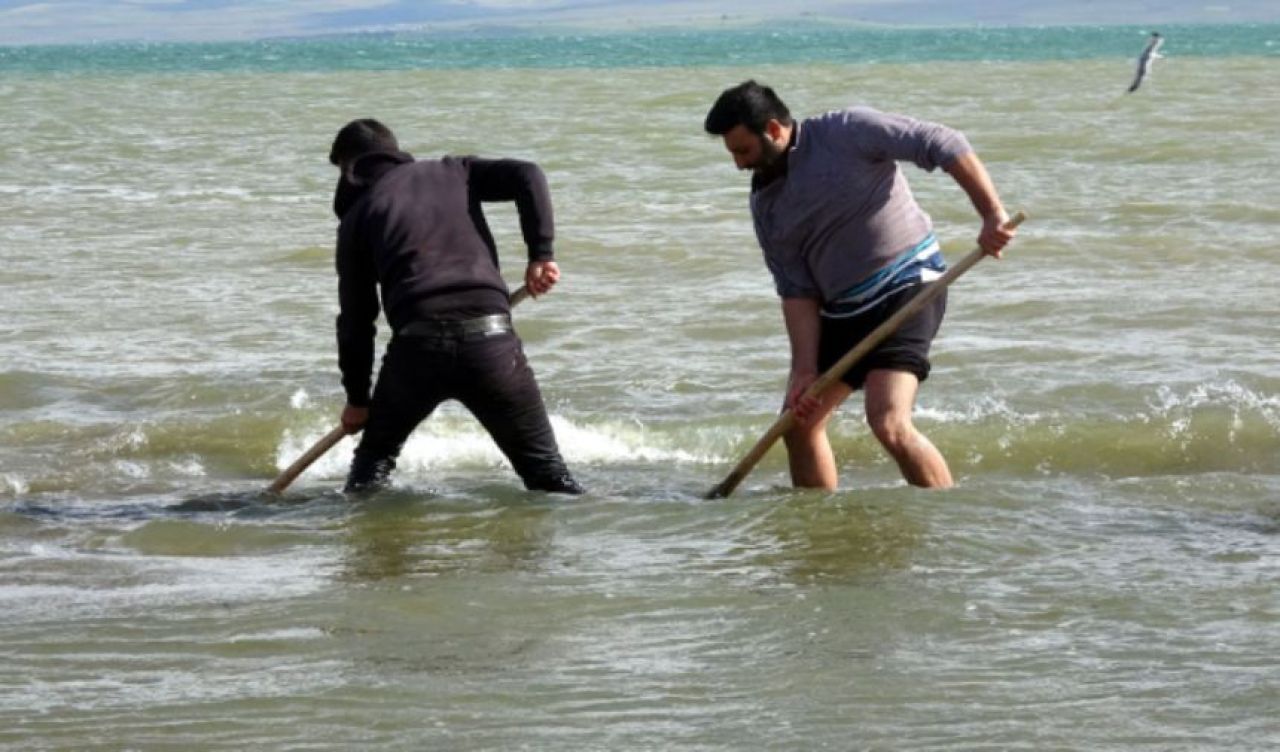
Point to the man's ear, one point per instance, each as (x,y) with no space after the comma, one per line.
(774,130)
(348,168)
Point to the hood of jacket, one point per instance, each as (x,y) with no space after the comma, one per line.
(367,170)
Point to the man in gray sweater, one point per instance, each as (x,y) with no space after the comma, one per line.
(848,245)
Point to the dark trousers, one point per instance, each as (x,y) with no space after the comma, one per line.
(490,376)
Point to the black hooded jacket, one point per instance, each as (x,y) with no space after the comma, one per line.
(414,231)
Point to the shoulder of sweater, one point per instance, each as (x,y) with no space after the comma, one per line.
(851,114)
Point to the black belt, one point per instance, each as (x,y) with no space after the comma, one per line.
(494,323)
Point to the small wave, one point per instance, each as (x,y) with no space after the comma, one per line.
(1212,426)
(288,634)
(13,485)
(227,573)
(982,410)
(610,443)
(1239,400)
(446,442)
(1206,427)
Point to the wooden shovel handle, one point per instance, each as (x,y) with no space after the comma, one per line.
(311,455)
(835,372)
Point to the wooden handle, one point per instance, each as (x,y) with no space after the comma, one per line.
(842,366)
(326,443)
(308,457)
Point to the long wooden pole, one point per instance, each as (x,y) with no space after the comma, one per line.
(835,372)
(311,455)
(328,441)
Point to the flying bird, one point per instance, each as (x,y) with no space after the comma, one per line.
(1149,54)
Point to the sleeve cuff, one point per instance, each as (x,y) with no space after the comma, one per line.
(542,252)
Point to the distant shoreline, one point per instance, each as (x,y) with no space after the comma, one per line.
(30,29)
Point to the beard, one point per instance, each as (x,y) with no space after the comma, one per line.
(772,161)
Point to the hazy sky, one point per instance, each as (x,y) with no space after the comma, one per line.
(59,21)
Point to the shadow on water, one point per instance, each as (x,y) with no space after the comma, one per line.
(243,504)
(257,503)
(231,501)
(386,535)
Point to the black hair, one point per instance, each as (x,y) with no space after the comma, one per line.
(749,104)
(361,137)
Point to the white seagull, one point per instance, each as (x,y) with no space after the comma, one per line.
(1149,54)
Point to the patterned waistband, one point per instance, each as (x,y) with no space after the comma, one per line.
(922,262)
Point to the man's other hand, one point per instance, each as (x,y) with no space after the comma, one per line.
(541,276)
(354,418)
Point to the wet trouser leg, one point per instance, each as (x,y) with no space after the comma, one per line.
(497,385)
(411,384)
(491,377)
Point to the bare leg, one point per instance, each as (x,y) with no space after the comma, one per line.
(890,400)
(809,451)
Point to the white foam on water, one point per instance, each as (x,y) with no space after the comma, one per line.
(1229,394)
(189,467)
(128,439)
(131,469)
(1176,406)
(128,582)
(333,464)
(125,194)
(206,192)
(1181,410)
(290,634)
(438,446)
(12,484)
(977,412)
(152,686)
(461,442)
(611,442)
(453,440)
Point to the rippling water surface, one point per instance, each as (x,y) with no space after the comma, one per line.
(1104,575)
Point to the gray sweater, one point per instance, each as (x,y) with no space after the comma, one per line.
(843,209)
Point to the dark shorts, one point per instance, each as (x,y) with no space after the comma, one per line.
(907,349)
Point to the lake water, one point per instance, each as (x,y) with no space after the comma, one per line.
(1104,576)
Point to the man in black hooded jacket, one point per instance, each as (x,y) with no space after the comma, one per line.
(413,231)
